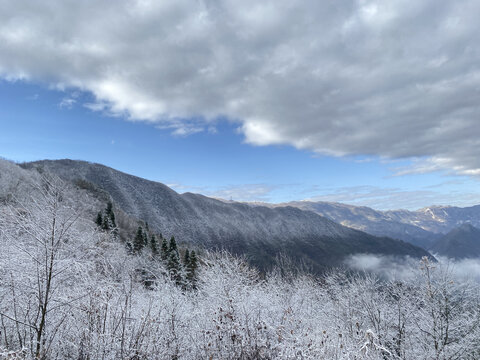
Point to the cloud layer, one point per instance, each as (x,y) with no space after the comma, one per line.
(389,79)
(386,198)
(397,268)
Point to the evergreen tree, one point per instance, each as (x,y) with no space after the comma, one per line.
(193,260)
(112,219)
(109,208)
(192,269)
(186,258)
(138,241)
(145,238)
(99,220)
(173,262)
(154,245)
(106,223)
(164,249)
(173,245)
(174,267)
(110,214)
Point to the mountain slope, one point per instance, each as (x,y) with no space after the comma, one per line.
(259,232)
(368,220)
(422,227)
(15,182)
(462,242)
(438,219)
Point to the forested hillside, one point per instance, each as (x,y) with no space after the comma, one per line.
(71,288)
(261,233)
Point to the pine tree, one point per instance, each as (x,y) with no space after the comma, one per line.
(173,264)
(112,219)
(192,268)
(154,245)
(110,214)
(138,241)
(174,267)
(145,238)
(164,249)
(173,245)
(105,224)
(99,220)
(193,260)
(186,258)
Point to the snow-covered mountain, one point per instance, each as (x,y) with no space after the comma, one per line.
(369,220)
(438,219)
(61,272)
(460,243)
(421,227)
(260,232)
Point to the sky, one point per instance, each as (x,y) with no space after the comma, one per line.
(363,102)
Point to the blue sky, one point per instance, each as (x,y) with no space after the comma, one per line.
(367,102)
(38,123)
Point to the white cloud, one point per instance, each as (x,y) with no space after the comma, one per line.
(70,100)
(240,192)
(246,192)
(385,198)
(182,128)
(67,103)
(391,267)
(391,79)
(403,268)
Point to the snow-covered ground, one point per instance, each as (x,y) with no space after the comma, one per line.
(71,291)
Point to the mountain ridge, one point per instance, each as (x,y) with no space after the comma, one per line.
(262,233)
(462,242)
(421,227)
(368,220)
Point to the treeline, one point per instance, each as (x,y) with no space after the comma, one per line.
(70,290)
(181,269)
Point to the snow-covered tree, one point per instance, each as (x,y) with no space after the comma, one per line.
(42,268)
(138,241)
(69,290)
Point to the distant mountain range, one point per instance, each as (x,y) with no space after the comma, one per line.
(422,227)
(460,243)
(369,220)
(260,232)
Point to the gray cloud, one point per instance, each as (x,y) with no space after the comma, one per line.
(391,79)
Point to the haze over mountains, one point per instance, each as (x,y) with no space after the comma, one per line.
(318,234)
(109,291)
(444,230)
(371,221)
(260,232)
(421,227)
(460,243)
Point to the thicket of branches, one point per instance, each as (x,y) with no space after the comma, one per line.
(69,290)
